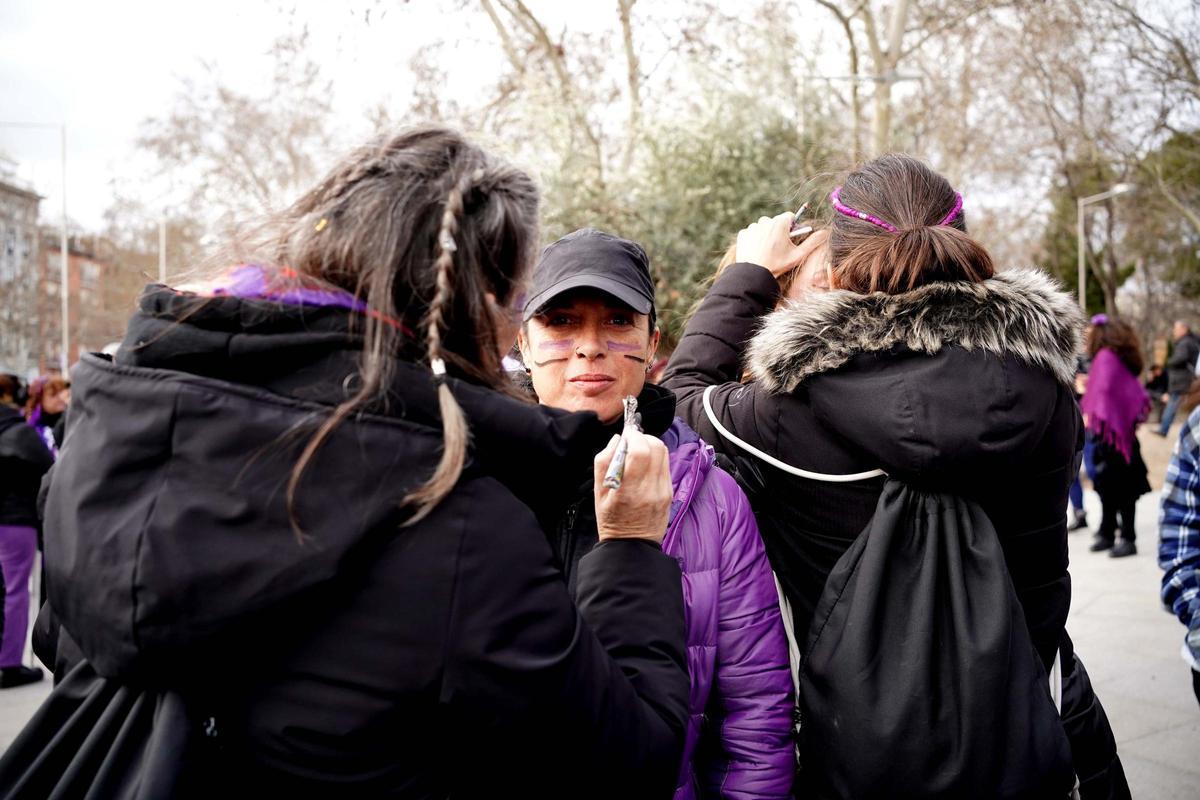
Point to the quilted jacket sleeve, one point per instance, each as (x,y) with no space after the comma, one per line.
(752,699)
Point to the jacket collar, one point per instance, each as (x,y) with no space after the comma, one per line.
(1020,312)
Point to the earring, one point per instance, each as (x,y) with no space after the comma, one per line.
(528,371)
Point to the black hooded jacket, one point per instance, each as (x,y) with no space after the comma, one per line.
(359,657)
(952,387)
(24,459)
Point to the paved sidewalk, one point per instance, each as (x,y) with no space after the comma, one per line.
(1129,644)
(17,705)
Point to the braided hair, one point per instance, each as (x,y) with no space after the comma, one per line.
(421,226)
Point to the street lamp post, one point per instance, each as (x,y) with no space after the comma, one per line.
(64,358)
(162,248)
(1120,188)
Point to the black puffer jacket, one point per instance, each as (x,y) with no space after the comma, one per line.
(24,459)
(953,387)
(363,659)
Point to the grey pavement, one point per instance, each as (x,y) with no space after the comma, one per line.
(1130,646)
(1128,642)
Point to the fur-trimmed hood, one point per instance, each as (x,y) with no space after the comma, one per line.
(1020,312)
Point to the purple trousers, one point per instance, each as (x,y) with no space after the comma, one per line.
(18,546)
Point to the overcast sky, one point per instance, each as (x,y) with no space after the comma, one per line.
(104,66)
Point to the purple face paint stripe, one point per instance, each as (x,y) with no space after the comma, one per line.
(556,344)
(618,347)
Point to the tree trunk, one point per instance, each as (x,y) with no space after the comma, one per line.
(881,128)
(886,62)
(633,77)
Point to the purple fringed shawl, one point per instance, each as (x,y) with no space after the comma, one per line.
(1114,402)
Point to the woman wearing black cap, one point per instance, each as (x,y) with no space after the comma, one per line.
(588,338)
(290,538)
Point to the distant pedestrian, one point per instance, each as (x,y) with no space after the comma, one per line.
(1156,387)
(48,400)
(1179,540)
(23,461)
(1181,368)
(1076,493)
(1113,406)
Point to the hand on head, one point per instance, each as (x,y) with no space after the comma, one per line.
(768,244)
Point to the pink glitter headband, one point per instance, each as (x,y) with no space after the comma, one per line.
(842,208)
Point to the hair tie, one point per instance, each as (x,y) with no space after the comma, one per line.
(438,366)
(954,212)
(836,198)
(1100,319)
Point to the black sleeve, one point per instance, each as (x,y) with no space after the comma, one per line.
(1183,353)
(21,443)
(711,352)
(595,695)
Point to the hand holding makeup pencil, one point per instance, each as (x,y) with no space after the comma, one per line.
(639,508)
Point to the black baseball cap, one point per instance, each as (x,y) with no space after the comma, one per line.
(593,259)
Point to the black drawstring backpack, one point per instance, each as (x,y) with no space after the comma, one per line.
(97,738)
(919,677)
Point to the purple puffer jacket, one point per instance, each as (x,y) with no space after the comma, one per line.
(741,693)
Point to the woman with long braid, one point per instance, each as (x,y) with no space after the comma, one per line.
(296,519)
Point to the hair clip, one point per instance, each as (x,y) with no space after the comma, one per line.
(1100,319)
(320,226)
(438,367)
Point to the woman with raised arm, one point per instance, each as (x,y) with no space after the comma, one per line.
(920,365)
(295,522)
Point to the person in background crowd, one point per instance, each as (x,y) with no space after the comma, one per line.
(24,459)
(1113,406)
(48,399)
(302,500)
(1179,541)
(588,341)
(845,387)
(1076,492)
(1156,386)
(1181,368)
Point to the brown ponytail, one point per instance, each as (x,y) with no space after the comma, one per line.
(900,262)
(914,199)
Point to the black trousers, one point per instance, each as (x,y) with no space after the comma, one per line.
(1112,507)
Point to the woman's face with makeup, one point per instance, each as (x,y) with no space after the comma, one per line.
(586,351)
(812,275)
